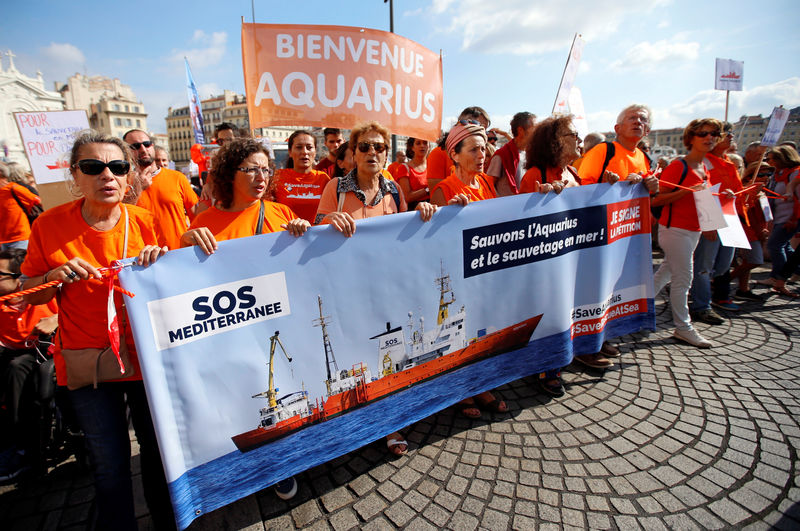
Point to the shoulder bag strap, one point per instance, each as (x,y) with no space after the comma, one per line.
(610,150)
(260,222)
(125,238)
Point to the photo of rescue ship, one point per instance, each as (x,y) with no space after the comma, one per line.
(401,365)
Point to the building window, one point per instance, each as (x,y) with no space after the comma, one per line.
(127,108)
(116,107)
(118,121)
(128,122)
(138,123)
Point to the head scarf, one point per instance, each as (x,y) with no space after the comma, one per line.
(460,131)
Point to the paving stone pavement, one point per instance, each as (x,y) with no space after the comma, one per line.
(671,437)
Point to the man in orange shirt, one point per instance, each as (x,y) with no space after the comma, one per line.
(399,160)
(610,162)
(333,139)
(167,193)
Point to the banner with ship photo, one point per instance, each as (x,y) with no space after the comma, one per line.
(276,354)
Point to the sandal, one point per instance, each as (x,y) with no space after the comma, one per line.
(469,409)
(394,441)
(488,402)
(781,290)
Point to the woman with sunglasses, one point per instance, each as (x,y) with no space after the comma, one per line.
(364,192)
(299,185)
(786,210)
(240,176)
(71,243)
(679,228)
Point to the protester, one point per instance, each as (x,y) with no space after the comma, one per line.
(161,156)
(16,201)
(620,160)
(165,192)
(466,146)
(70,243)
(589,141)
(399,159)
(21,325)
(553,145)
(785,212)
(712,260)
(299,186)
(333,139)
(679,228)
(225,132)
(440,165)
(241,179)
(507,165)
(412,176)
(364,193)
(756,229)
(344,160)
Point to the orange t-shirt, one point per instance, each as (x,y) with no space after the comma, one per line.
(231,225)
(14,226)
(353,204)
(439,165)
(17,326)
(170,198)
(683,211)
(453,186)
(623,163)
(60,234)
(300,191)
(533,178)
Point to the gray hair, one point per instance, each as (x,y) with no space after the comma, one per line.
(635,107)
(90,136)
(591,140)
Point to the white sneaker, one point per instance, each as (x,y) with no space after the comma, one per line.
(692,337)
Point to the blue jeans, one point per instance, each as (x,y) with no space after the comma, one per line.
(101,415)
(711,260)
(779,248)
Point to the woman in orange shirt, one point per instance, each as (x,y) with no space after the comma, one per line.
(466,146)
(412,176)
(241,179)
(299,186)
(15,201)
(70,243)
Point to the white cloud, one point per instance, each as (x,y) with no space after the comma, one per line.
(206,90)
(651,55)
(64,53)
(209,50)
(522,27)
(584,66)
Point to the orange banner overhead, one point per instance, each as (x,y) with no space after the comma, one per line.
(338,76)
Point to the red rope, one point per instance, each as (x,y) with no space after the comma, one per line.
(105,271)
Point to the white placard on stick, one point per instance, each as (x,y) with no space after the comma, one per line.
(777,121)
(729,74)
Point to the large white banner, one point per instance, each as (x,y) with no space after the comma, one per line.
(380,330)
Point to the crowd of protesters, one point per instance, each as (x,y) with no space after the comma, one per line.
(130,204)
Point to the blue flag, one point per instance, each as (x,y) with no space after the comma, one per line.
(194,106)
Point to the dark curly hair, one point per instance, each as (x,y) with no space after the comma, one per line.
(227,161)
(545,148)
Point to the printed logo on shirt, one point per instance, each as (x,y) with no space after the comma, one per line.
(217,309)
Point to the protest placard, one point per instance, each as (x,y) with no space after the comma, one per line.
(709,211)
(777,121)
(47,138)
(381,330)
(733,234)
(729,75)
(338,76)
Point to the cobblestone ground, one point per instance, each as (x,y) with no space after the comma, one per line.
(670,437)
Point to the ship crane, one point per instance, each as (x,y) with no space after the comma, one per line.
(444,288)
(271,393)
(330,360)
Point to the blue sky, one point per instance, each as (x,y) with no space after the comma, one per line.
(504,56)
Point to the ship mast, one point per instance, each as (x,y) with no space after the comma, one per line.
(444,288)
(330,360)
(271,394)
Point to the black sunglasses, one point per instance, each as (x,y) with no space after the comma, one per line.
(96,167)
(703,134)
(363,147)
(12,275)
(136,145)
(469,122)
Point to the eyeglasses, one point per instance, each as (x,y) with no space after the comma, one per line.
(12,275)
(492,139)
(469,122)
(136,145)
(96,167)
(573,134)
(255,169)
(703,134)
(363,147)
